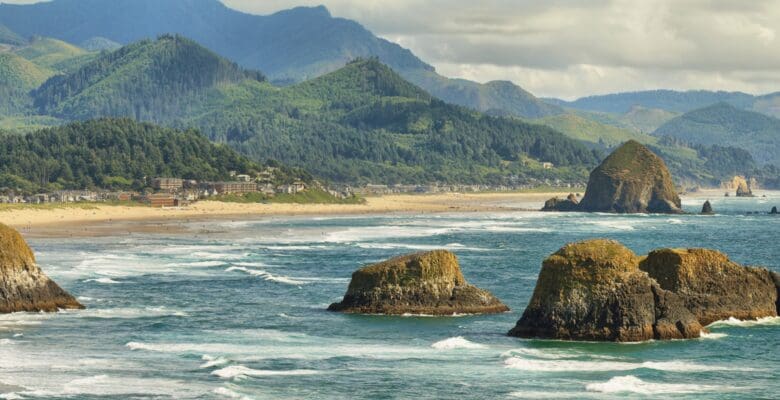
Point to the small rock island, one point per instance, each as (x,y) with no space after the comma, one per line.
(632,179)
(420,283)
(23,286)
(600,290)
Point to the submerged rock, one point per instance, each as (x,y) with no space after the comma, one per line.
(420,283)
(712,286)
(555,204)
(23,286)
(630,180)
(594,290)
(706,209)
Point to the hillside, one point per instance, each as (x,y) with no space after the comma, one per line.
(149,80)
(18,77)
(10,37)
(99,44)
(592,131)
(724,124)
(289,46)
(54,54)
(669,100)
(111,153)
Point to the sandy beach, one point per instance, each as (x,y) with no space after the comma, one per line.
(100,219)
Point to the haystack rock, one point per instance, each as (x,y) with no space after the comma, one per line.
(743,189)
(712,286)
(706,209)
(594,290)
(23,286)
(420,283)
(631,180)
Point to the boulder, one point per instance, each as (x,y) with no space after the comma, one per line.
(712,286)
(420,283)
(631,180)
(555,204)
(706,209)
(594,290)
(23,286)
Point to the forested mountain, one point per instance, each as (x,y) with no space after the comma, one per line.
(54,54)
(112,153)
(10,37)
(289,46)
(669,100)
(18,77)
(99,44)
(149,80)
(725,124)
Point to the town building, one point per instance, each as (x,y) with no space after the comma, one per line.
(167,184)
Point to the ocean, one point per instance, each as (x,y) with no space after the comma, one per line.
(240,314)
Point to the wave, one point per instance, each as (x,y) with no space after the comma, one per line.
(106,385)
(107,281)
(268,276)
(632,384)
(458,342)
(568,365)
(766,321)
(5,342)
(449,246)
(198,264)
(240,371)
(228,394)
(555,354)
(712,335)
(213,361)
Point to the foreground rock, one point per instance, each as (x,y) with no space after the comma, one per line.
(419,283)
(23,286)
(594,290)
(631,180)
(712,286)
(555,204)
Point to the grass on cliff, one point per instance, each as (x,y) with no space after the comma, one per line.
(311,196)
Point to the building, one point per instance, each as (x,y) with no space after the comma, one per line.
(235,187)
(167,184)
(243,178)
(161,200)
(547,165)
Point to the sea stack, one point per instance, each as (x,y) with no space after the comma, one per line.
(743,189)
(630,180)
(711,285)
(594,290)
(555,204)
(23,286)
(773,211)
(419,283)
(706,209)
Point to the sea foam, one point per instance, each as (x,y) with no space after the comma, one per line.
(632,384)
(766,321)
(240,371)
(458,342)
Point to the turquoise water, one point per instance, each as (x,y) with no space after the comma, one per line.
(241,314)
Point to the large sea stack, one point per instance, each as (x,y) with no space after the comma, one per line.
(594,290)
(420,283)
(712,286)
(23,286)
(631,180)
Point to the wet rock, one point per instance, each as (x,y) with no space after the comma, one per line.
(706,209)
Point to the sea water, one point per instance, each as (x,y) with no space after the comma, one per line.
(240,314)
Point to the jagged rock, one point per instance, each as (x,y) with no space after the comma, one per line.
(420,283)
(743,189)
(706,209)
(594,290)
(712,286)
(774,210)
(776,280)
(631,180)
(555,204)
(23,286)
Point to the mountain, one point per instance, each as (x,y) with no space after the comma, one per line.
(10,37)
(18,77)
(592,131)
(99,44)
(724,124)
(116,153)
(54,54)
(149,80)
(669,100)
(289,46)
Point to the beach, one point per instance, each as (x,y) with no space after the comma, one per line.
(101,219)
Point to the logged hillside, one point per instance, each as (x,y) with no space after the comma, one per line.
(117,153)
(54,54)
(724,124)
(148,80)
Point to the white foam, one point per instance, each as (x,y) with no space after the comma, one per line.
(712,335)
(219,256)
(5,342)
(240,371)
(769,321)
(213,361)
(458,342)
(268,276)
(229,394)
(555,354)
(632,384)
(107,281)
(618,224)
(198,264)
(567,365)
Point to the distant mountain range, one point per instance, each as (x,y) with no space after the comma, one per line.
(289,46)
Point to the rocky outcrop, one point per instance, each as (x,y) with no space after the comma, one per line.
(594,290)
(706,209)
(712,286)
(773,211)
(630,180)
(419,283)
(743,189)
(555,204)
(23,286)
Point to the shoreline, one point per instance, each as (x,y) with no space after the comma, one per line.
(112,220)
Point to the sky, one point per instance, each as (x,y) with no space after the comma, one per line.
(569,49)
